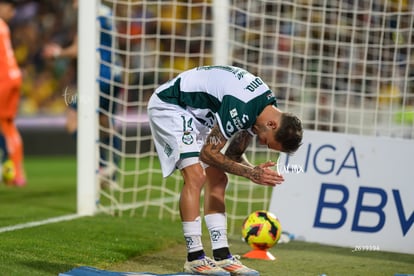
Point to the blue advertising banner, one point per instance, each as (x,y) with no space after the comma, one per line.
(349,190)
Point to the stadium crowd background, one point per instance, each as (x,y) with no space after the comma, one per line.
(44,81)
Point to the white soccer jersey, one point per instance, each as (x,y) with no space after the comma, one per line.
(228,95)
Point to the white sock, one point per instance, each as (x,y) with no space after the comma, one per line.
(192,235)
(217,226)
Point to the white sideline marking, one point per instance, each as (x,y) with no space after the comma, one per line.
(122,207)
(38,223)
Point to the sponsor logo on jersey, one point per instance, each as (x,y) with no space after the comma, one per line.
(187,138)
(254,85)
(236,123)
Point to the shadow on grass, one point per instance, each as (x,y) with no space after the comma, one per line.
(37,267)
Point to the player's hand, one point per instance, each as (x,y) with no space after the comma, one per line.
(51,50)
(264,175)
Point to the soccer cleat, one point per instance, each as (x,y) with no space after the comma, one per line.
(236,268)
(19,181)
(204,266)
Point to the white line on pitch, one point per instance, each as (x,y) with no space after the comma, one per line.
(38,223)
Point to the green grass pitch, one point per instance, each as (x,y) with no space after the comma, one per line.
(136,243)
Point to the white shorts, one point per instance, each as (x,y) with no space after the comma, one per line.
(178,136)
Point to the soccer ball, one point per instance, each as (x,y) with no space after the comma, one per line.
(261,230)
(8,172)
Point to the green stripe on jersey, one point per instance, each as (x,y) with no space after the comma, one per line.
(189,154)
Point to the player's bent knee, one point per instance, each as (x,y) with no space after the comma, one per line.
(198,177)
(194,175)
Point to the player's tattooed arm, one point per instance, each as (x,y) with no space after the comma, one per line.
(238,146)
(211,154)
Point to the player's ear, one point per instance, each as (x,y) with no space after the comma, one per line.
(272,124)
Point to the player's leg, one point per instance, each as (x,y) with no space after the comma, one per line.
(14,149)
(216,221)
(215,212)
(109,159)
(194,179)
(9,101)
(175,139)
(168,124)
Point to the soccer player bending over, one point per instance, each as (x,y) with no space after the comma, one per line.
(192,117)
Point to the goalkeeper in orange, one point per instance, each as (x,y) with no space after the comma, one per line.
(10,83)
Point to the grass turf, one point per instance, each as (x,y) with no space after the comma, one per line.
(139,244)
